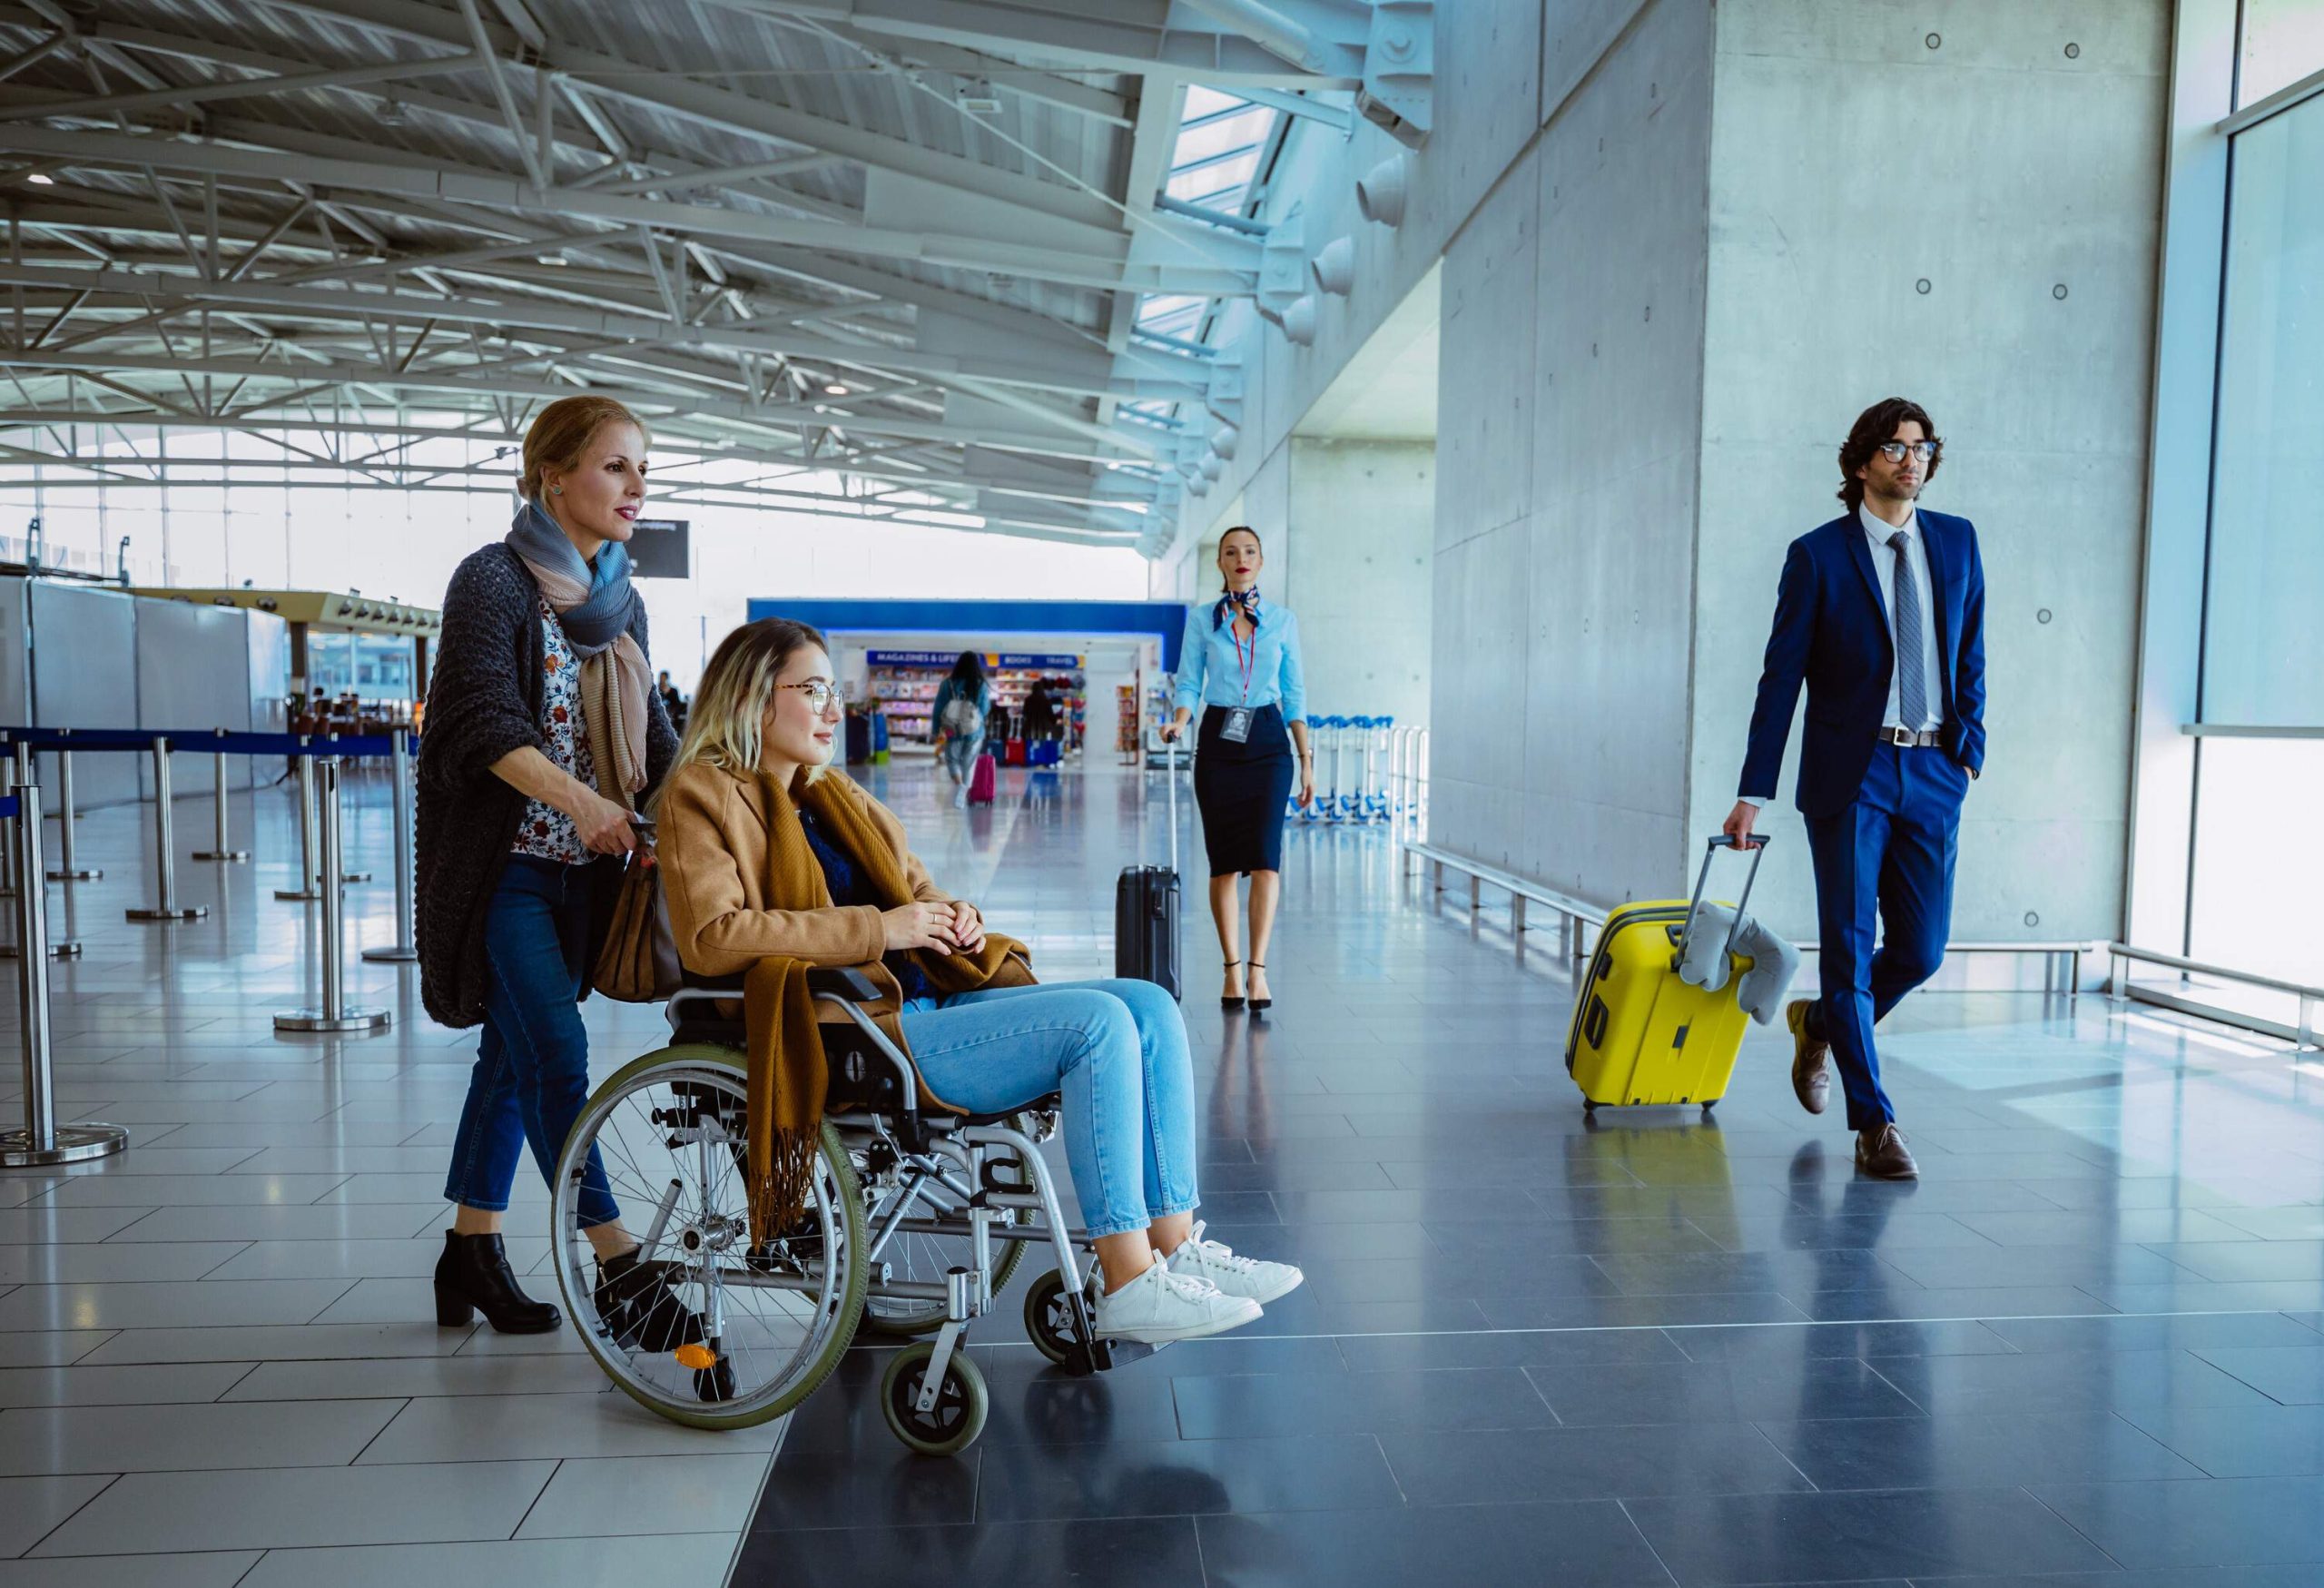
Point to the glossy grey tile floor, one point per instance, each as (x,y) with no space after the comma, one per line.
(1652,1351)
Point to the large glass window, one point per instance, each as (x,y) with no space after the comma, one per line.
(2263,636)
(2258,864)
(2284,41)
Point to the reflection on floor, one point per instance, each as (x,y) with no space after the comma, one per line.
(1654,1349)
(1529,1350)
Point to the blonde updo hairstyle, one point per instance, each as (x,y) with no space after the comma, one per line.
(561,432)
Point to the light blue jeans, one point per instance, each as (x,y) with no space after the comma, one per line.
(960,757)
(1114,1050)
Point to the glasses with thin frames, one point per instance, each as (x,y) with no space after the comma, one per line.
(820,694)
(1894,450)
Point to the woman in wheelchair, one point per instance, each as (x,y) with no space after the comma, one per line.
(768,851)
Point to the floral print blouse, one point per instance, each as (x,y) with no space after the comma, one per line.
(545,832)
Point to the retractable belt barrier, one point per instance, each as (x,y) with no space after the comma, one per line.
(318,757)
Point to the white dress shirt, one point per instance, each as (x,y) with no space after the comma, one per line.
(1883,568)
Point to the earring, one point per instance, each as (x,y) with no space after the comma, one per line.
(556,490)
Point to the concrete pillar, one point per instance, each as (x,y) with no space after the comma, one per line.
(1737,227)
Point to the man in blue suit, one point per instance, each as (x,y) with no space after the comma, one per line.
(1881,614)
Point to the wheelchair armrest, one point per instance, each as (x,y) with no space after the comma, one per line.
(841,981)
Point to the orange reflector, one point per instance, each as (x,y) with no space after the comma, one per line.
(697,1357)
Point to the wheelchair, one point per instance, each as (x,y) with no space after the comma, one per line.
(913,1223)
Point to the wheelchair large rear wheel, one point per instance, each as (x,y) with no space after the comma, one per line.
(774,1319)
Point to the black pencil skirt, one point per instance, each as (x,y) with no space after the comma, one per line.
(1243,790)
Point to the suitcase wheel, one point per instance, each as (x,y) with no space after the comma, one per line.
(1588,1108)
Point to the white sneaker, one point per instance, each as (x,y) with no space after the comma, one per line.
(1245,1277)
(1160,1305)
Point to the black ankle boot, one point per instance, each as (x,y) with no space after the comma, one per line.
(639,1309)
(473,1276)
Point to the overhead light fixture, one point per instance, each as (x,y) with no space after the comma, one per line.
(391,113)
(1380,193)
(1334,268)
(1299,321)
(1224,439)
(975,95)
(552,258)
(835,390)
(1210,466)
(40,178)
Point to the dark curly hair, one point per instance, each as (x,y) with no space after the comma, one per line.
(1874,425)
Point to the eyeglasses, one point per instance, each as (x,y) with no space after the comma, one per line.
(820,694)
(1894,450)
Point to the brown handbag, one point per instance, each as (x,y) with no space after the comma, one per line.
(639,963)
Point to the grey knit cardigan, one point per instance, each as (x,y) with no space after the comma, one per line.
(483,700)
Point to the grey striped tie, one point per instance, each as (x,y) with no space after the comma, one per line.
(1912,683)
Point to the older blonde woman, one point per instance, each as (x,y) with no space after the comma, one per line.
(766,852)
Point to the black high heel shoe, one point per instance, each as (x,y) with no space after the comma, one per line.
(639,1309)
(1259,1004)
(473,1276)
(1230,1003)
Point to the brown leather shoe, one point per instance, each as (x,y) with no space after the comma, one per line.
(1811,1078)
(1881,1153)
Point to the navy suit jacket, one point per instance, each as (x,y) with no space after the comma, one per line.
(1831,633)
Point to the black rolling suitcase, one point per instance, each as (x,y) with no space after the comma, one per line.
(1146,911)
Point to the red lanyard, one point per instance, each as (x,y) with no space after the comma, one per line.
(1245,664)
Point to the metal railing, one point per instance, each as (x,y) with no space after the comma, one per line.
(2062,960)
(2302,1033)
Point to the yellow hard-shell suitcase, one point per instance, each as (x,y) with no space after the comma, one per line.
(1640,1034)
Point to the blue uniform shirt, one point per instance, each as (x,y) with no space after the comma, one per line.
(1209,674)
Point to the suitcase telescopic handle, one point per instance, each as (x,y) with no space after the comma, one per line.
(1171,775)
(1710,853)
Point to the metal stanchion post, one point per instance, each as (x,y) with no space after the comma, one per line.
(333,1014)
(67,948)
(345,876)
(40,1142)
(309,871)
(8,851)
(165,846)
(403,950)
(221,846)
(67,869)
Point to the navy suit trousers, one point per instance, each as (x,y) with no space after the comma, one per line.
(1883,864)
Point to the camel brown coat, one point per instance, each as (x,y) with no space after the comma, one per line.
(713,846)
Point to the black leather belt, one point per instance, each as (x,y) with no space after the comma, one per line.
(1905,738)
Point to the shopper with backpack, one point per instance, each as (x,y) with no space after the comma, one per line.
(957,717)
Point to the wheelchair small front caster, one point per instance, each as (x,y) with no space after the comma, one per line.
(1589,1110)
(1709,1106)
(962,1402)
(1054,1325)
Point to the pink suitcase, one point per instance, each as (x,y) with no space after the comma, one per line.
(983,780)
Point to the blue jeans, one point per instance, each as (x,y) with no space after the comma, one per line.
(961,755)
(1116,1051)
(1887,860)
(532,1071)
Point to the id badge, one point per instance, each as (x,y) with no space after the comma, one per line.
(1236,728)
